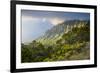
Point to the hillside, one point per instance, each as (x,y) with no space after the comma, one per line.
(67,41)
(55,33)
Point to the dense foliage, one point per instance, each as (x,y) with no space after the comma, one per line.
(73,45)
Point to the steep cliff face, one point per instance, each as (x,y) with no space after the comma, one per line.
(56,32)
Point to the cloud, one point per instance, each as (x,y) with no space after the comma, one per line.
(56,21)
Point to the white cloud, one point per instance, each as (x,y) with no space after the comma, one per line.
(56,21)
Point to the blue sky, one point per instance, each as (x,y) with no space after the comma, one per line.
(35,23)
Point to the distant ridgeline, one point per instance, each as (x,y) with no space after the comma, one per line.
(69,40)
(56,32)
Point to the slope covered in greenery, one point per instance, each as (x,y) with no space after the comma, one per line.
(52,35)
(71,45)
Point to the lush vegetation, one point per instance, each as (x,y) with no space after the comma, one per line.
(73,45)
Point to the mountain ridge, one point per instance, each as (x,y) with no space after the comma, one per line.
(57,31)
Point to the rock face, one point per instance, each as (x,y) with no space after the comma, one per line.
(57,31)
